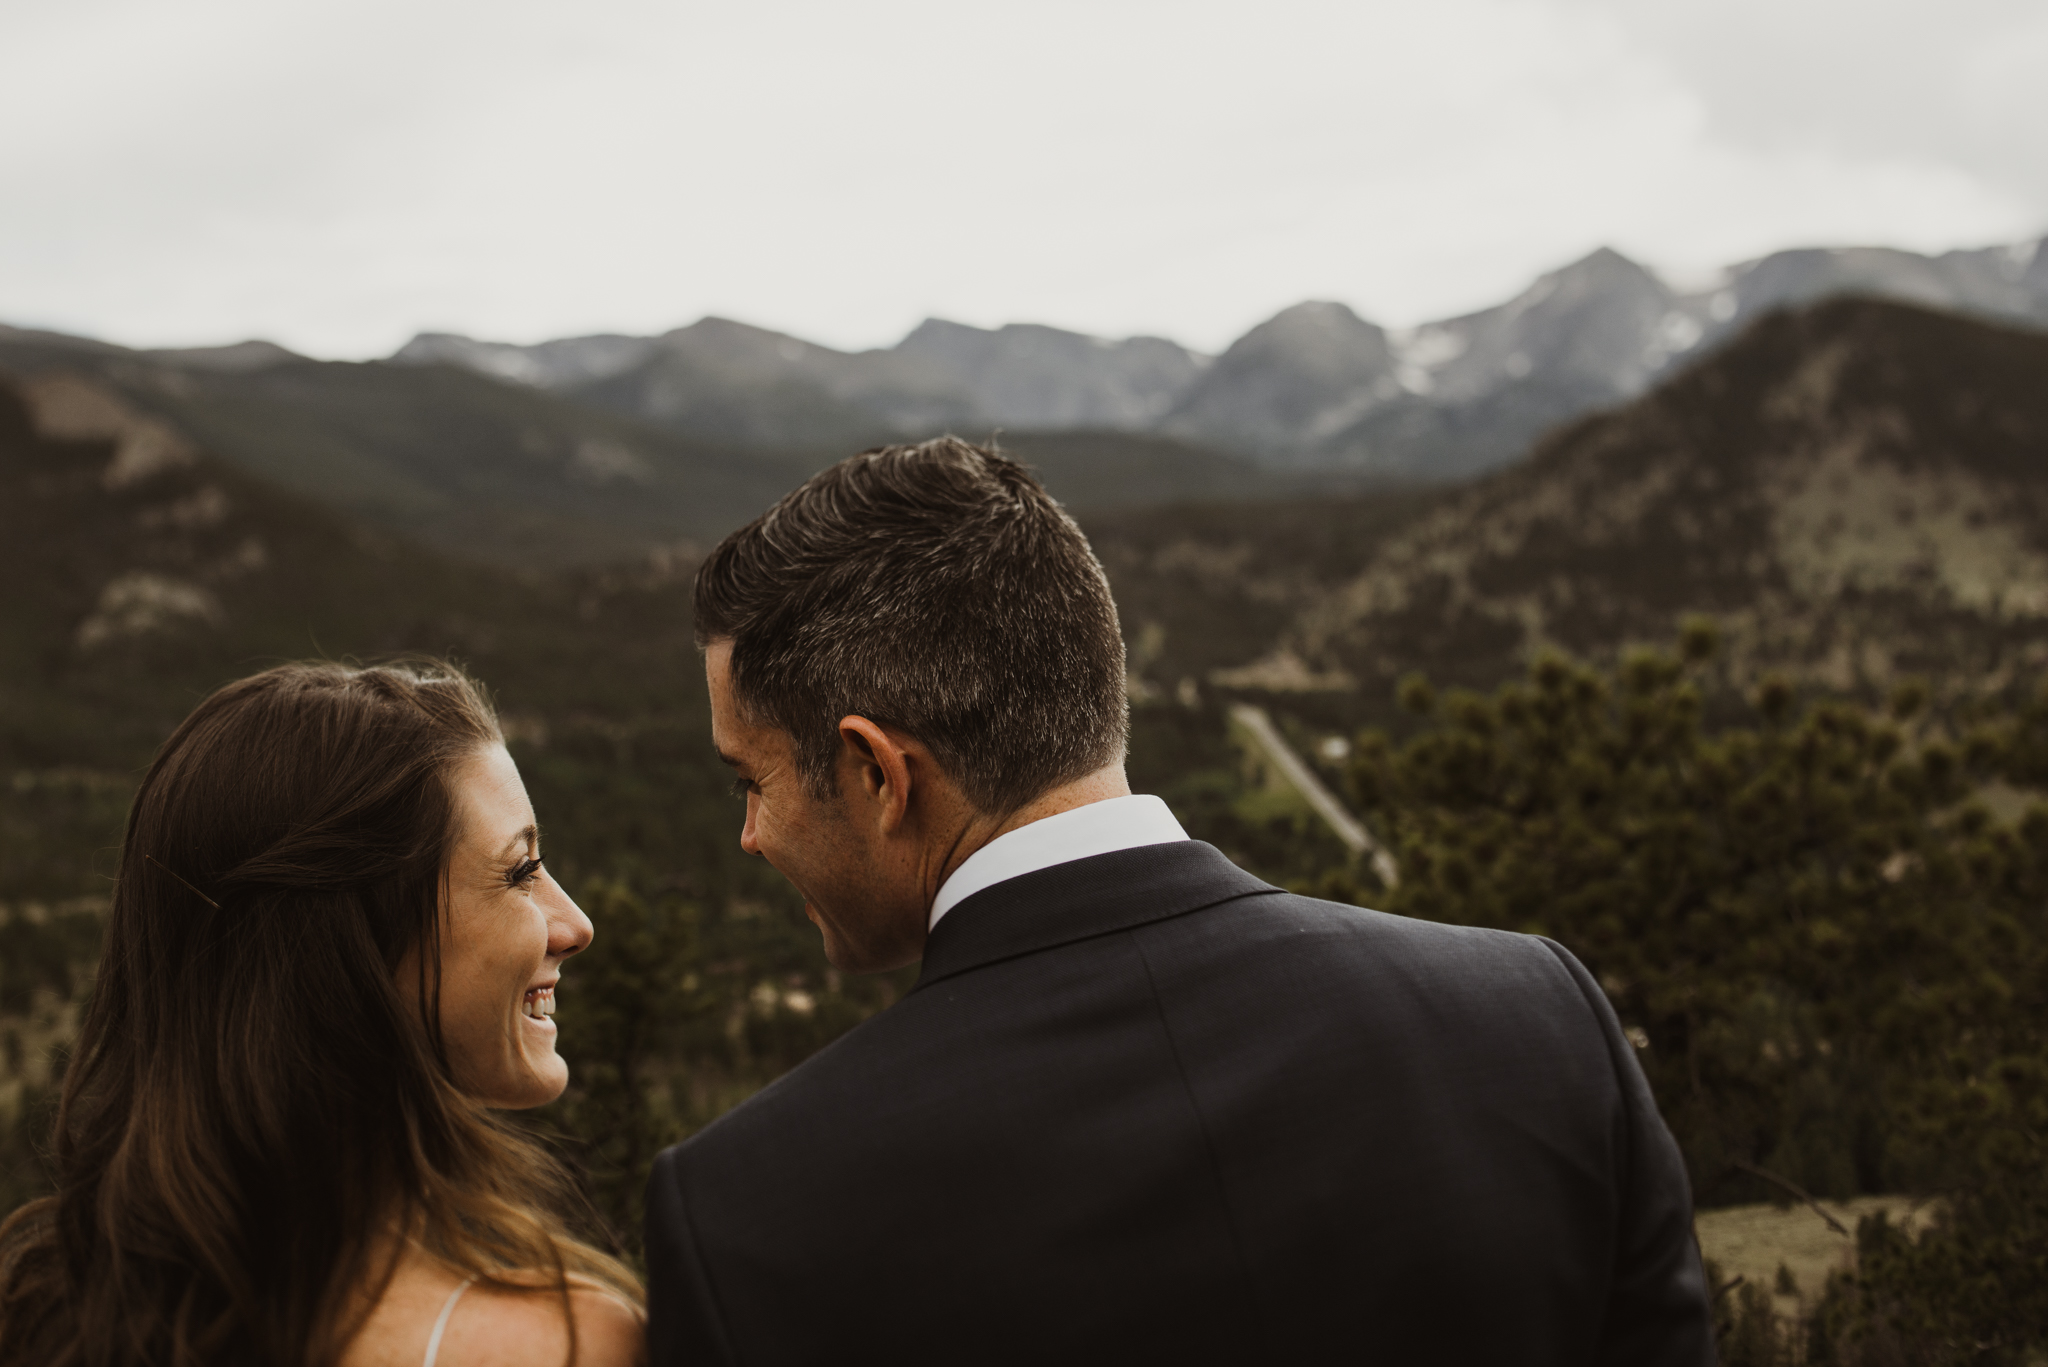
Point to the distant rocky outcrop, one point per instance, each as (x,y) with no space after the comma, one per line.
(2001,282)
(729,381)
(121,530)
(732,382)
(236,357)
(562,364)
(1026,375)
(1475,391)
(1291,382)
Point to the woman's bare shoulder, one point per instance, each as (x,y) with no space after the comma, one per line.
(395,1331)
(494,1324)
(522,1328)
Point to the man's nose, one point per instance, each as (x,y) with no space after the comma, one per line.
(750,839)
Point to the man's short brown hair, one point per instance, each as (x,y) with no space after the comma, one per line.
(937,589)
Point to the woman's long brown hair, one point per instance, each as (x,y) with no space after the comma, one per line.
(256,1103)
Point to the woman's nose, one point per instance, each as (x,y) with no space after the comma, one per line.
(568,928)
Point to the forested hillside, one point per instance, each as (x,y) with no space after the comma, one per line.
(1825,930)
(1856,490)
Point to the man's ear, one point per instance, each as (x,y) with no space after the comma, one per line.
(881,769)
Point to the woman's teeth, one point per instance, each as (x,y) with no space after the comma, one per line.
(540,1002)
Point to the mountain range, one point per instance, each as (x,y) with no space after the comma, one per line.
(1314,388)
(1854,489)
(477,468)
(512,474)
(597,450)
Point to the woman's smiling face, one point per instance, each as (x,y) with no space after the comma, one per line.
(506,929)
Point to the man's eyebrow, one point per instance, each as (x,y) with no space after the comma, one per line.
(728,760)
(524,839)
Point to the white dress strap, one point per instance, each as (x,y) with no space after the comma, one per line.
(441,1324)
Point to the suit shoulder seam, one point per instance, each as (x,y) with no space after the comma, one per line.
(1599,1010)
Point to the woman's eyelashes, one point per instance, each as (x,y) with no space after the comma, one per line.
(524,872)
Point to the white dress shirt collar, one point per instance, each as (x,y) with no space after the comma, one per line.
(1117,823)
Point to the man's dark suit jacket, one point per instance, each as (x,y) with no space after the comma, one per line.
(1145,1108)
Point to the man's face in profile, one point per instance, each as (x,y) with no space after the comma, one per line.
(821,845)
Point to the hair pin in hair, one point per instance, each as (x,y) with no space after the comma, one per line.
(188,886)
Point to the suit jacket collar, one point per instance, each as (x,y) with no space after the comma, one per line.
(1081,899)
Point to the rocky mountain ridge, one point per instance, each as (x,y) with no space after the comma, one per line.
(443,457)
(1316,387)
(524,478)
(1856,490)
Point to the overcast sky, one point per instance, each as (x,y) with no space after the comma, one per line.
(338,175)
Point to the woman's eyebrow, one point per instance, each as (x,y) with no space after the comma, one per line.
(523,840)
